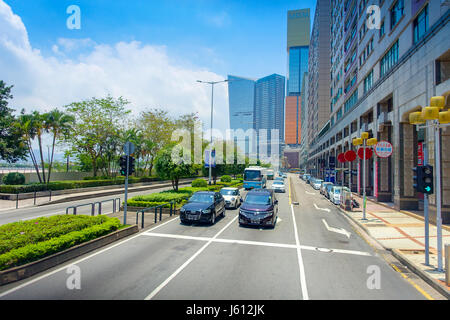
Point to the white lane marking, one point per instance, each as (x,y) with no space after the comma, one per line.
(232,241)
(257,243)
(341,231)
(80,260)
(300,259)
(323,209)
(314,193)
(184,265)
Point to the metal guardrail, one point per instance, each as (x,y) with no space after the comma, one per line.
(34,197)
(115,201)
(160,207)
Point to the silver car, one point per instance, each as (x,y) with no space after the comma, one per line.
(232,197)
(278,186)
(335,195)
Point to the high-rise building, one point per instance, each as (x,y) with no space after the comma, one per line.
(241,95)
(380,74)
(319,71)
(257,104)
(298,30)
(269,104)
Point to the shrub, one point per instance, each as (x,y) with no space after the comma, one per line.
(225,178)
(14,178)
(35,251)
(199,183)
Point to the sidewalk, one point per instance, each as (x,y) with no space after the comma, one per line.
(404,235)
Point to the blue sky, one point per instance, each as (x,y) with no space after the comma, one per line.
(246,38)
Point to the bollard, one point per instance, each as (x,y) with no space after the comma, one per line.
(99,208)
(160,213)
(50,199)
(447,264)
(156,215)
(17,201)
(34,198)
(74,211)
(171,207)
(92,209)
(142,224)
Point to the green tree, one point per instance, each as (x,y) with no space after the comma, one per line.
(97,127)
(156,128)
(166,168)
(12,145)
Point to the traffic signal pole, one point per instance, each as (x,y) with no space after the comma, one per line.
(425,212)
(126,192)
(437,138)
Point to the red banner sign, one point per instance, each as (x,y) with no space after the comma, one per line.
(368,153)
(341,157)
(350,155)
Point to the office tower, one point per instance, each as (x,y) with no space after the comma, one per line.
(298,30)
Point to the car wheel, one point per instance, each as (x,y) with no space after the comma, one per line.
(223,213)
(213,218)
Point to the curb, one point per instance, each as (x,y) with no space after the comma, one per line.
(32,268)
(405,261)
(432,282)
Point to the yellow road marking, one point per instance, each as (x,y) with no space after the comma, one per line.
(412,283)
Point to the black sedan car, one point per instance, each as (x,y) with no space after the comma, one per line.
(260,208)
(203,206)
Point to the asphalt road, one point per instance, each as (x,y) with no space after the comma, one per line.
(13,215)
(301,258)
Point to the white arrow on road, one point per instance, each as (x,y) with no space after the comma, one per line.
(323,209)
(341,231)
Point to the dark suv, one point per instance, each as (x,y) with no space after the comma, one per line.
(260,208)
(203,206)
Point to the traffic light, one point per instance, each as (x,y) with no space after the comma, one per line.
(427,177)
(131,166)
(423,179)
(418,179)
(123,165)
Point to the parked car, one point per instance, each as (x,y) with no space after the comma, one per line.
(335,195)
(328,189)
(316,184)
(203,206)
(305,176)
(260,208)
(308,179)
(232,197)
(323,187)
(278,186)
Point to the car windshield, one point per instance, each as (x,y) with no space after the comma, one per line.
(252,175)
(258,199)
(280,183)
(337,191)
(202,197)
(229,192)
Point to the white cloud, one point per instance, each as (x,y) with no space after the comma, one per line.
(143,74)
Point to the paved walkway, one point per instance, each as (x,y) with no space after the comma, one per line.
(404,232)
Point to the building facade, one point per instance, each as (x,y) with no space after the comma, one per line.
(379,75)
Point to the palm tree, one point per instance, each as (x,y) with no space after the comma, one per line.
(58,124)
(39,126)
(26,125)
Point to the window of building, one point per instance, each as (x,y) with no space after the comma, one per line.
(397,12)
(443,68)
(382,29)
(368,82)
(389,59)
(420,24)
(351,101)
(339,114)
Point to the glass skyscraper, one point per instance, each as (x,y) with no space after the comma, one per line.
(241,97)
(298,65)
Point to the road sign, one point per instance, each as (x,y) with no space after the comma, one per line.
(383,149)
(128,148)
(209,161)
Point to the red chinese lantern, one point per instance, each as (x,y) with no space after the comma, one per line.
(350,155)
(341,158)
(368,153)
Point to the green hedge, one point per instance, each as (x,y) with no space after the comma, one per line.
(225,178)
(18,234)
(199,183)
(35,251)
(161,197)
(148,204)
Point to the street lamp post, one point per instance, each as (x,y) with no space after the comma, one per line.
(212,83)
(364,141)
(439,119)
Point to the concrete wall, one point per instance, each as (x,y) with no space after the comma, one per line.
(55,176)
